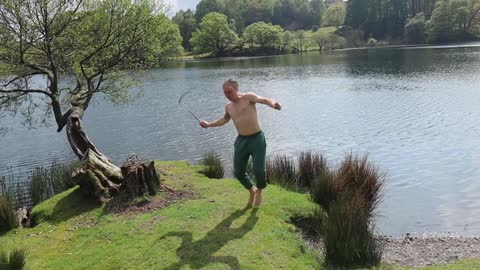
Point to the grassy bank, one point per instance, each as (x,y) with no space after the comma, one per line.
(209,231)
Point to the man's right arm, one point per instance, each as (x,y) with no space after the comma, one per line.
(220,122)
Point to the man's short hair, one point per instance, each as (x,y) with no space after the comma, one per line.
(231,83)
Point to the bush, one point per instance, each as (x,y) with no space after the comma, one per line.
(46,182)
(372,42)
(213,167)
(315,28)
(13,261)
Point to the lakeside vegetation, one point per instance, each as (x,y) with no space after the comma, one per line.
(233,28)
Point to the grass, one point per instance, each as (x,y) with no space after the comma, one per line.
(210,231)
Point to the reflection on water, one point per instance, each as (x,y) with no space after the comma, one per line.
(415,111)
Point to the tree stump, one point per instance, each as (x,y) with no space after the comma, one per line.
(140,177)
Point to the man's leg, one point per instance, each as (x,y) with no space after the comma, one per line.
(240,161)
(259,165)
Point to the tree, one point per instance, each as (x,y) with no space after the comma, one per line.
(235,10)
(287,40)
(187,24)
(213,35)
(415,29)
(206,6)
(438,27)
(335,15)
(300,40)
(65,53)
(317,12)
(357,13)
(265,35)
(328,40)
(258,10)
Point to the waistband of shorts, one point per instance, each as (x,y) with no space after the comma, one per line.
(251,135)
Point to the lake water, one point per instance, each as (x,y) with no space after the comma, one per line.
(416,111)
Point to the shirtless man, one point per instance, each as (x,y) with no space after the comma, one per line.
(250,140)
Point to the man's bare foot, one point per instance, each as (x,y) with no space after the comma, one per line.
(258,198)
(251,198)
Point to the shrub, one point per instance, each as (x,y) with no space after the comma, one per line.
(372,42)
(315,28)
(213,167)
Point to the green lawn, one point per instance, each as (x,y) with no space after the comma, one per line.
(209,231)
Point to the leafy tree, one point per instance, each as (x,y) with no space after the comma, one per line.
(415,29)
(265,35)
(258,10)
(206,6)
(187,24)
(438,27)
(213,35)
(335,15)
(64,53)
(287,40)
(235,10)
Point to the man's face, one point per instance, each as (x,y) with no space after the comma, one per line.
(231,93)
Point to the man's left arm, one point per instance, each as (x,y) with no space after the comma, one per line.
(263,100)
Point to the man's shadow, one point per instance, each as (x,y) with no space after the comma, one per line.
(199,253)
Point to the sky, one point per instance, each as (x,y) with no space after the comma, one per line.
(176,5)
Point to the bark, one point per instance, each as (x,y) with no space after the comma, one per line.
(97,176)
(140,177)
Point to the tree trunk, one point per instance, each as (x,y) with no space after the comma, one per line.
(140,177)
(97,176)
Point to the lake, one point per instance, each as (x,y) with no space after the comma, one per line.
(415,111)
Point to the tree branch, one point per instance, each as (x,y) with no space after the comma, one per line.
(26,91)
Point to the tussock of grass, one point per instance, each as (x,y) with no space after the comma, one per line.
(213,167)
(13,260)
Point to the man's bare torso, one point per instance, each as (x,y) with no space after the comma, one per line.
(244,115)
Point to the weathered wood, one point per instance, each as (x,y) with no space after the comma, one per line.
(97,177)
(140,177)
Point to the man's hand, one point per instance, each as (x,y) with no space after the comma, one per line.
(204,124)
(277,106)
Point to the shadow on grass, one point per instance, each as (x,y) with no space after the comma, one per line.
(72,205)
(199,254)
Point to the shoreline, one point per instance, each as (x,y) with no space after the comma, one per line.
(397,46)
(420,251)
